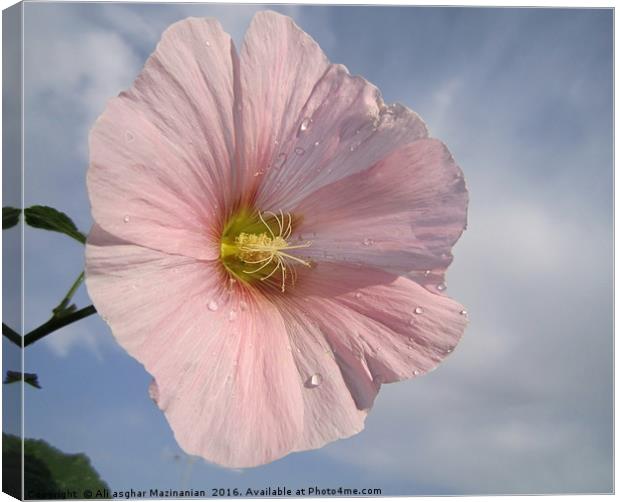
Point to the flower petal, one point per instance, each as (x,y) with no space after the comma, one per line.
(403,214)
(220,357)
(161,153)
(279,66)
(343,128)
(329,406)
(384,328)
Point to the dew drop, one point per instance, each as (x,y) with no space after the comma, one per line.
(305,123)
(299,150)
(427,273)
(208,44)
(416,372)
(358,295)
(126,219)
(419,310)
(232,315)
(154,391)
(212,306)
(463,312)
(280,160)
(315,380)
(368,242)
(317,143)
(441,287)
(259,173)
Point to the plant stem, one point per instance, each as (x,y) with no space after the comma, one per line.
(60,319)
(12,335)
(56,323)
(65,301)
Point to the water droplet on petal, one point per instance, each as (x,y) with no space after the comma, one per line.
(299,150)
(280,160)
(368,242)
(441,286)
(305,123)
(416,372)
(212,305)
(315,380)
(154,391)
(419,310)
(317,143)
(463,312)
(358,295)
(126,219)
(208,44)
(427,273)
(259,173)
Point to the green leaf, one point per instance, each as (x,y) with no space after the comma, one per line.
(49,218)
(48,471)
(18,376)
(10,217)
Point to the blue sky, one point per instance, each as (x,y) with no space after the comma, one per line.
(523,98)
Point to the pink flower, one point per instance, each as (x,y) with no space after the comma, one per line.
(270,239)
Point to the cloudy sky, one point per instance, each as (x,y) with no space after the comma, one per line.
(523,98)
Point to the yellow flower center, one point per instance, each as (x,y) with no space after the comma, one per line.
(254,248)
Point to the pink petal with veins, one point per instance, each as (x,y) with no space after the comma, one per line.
(160,155)
(244,375)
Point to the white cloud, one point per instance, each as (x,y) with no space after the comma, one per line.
(64,342)
(71,69)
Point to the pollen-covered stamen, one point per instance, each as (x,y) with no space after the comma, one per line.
(268,249)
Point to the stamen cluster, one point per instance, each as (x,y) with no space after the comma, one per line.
(270,250)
